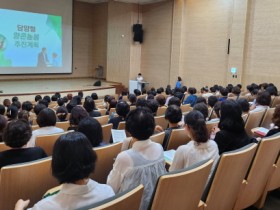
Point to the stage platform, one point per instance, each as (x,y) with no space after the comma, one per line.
(27,89)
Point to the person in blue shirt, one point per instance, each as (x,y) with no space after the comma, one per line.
(179,83)
(191,99)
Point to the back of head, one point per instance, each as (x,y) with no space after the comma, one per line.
(54,98)
(12,112)
(231,119)
(212,100)
(201,99)
(43,101)
(2,109)
(23,115)
(224,92)
(38,97)
(236,90)
(160,99)
(46,117)
(61,113)
(38,108)
(174,101)
(81,94)
(141,102)
(94,96)
(245,106)
(47,98)
(152,104)
(194,120)
(61,101)
(27,105)
(89,104)
(192,90)
(140,123)
(272,90)
(17,133)
(73,158)
(137,92)
(173,114)
(6,102)
(92,129)
(132,98)
(77,114)
(122,108)
(263,98)
(202,107)
(14,99)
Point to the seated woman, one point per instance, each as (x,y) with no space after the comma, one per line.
(61,114)
(199,148)
(73,161)
(144,162)
(77,114)
(16,135)
(122,110)
(12,113)
(93,131)
(230,134)
(89,106)
(276,122)
(262,102)
(245,106)
(46,121)
(191,99)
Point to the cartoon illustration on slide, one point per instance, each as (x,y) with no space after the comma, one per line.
(4,62)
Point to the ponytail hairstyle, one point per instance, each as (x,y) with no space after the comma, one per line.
(195,121)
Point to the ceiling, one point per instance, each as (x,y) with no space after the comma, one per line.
(125,1)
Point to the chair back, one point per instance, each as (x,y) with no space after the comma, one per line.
(182,189)
(25,181)
(221,193)
(3,147)
(105,159)
(254,120)
(106,132)
(161,121)
(112,110)
(121,125)
(161,110)
(261,168)
(34,127)
(132,108)
(275,101)
(267,119)
(130,199)
(186,108)
(46,142)
(102,111)
(177,138)
(158,138)
(63,125)
(103,120)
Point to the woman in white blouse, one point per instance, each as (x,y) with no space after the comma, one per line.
(144,162)
(199,148)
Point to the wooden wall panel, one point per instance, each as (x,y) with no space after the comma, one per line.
(206,32)
(262,48)
(156,49)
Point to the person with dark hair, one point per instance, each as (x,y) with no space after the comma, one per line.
(47,99)
(38,108)
(230,134)
(132,99)
(201,99)
(92,129)
(27,105)
(143,163)
(7,102)
(191,99)
(202,107)
(3,123)
(60,102)
(150,96)
(69,96)
(212,100)
(14,99)
(37,98)
(16,135)
(43,101)
(262,102)
(17,104)
(217,108)
(54,98)
(122,110)
(178,83)
(236,92)
(57,94)
(73,161)
(2,109)
(249,90)
(112,104)
(153,105)
(81,94)
(174,101)
(94,96)
(169,95)
(61,113)
(199,148)
(12,113)
(161,100)
(46,121)
(90,107)
(245,106)
(137,92)
(205,92)
(272,90)
(141,102)
(276,122)
(173,114)
(75,101)
(224,94)
(77,114)
(24,115)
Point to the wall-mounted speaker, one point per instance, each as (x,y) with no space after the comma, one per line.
(138,33)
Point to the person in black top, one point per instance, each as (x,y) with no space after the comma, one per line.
(122,110)
(276,121)
(16,135)
(89,105)
(231,134)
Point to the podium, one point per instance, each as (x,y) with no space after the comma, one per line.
(134,84)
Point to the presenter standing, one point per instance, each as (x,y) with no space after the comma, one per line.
(140,80)
(43,59)
(179,82)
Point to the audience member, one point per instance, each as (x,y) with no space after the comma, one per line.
(174,101)
(3,124)
(61,114)
(73,161)
(12,113)
(16,135)
(132,99)
(276,121)
(202,107)
(90,107)
(262,102)
(191,99)
(143,163)
(122,110)
(77,114)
